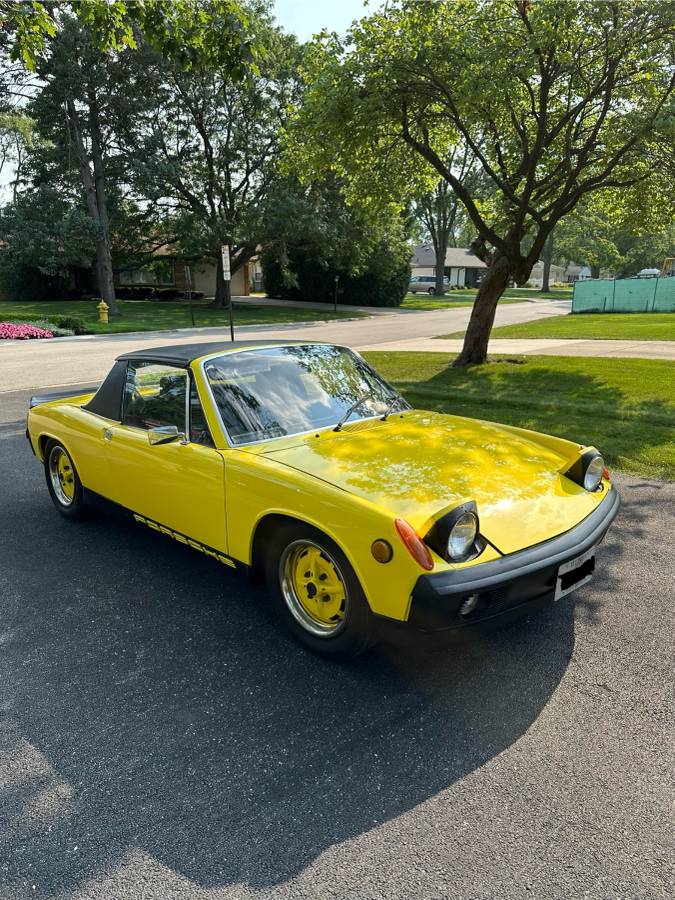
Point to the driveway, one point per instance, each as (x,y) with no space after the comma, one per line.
(37,364)
(162,738)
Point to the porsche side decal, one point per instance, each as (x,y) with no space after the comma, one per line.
(184,539)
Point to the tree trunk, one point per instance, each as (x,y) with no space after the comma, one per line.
(106,276)
(104,269)
(547,257)
(440,248)
(493,285)
(223,293)
(595,271)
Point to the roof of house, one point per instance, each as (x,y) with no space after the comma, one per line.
(455,257)
(184,354)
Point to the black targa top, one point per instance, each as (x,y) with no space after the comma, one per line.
(184,354)
(107,401)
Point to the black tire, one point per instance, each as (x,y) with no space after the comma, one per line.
(355,632)
(431,291)
(74,508)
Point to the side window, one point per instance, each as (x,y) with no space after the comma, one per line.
(199,429)
(154,395)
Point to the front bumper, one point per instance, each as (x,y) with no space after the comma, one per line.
(507,587)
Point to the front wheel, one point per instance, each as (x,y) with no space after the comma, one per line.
(63,482)
(431,292)
(317,594)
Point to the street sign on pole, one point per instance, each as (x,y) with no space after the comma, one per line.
(225,256)
(227,278)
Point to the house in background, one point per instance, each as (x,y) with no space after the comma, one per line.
(462,267)
(536,279)
(169,271)
(575,272)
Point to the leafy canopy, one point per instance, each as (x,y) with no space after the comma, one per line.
(554,100)
(213,33)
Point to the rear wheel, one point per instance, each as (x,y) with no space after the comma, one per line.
(317,594)
(431,292)
(63,483)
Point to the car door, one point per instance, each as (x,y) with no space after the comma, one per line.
(178,484)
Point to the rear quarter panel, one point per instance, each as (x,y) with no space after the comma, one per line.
(79,431)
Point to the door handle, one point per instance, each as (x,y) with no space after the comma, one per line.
(107,434)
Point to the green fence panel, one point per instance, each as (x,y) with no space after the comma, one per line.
(592,296)
(625,295)
(634,295)
(664,297)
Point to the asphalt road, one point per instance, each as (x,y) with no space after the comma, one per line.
(37,364)
(160,737)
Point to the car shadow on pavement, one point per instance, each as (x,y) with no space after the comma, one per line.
(150,701)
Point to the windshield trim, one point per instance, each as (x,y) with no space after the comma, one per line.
(232,446)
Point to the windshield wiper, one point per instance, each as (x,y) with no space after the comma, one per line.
(393,400)
(355,405)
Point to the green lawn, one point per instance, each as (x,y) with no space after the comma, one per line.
(625,407)
(608,326)
(145,315)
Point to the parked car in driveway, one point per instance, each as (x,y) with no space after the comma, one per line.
(425,284)
(297,461)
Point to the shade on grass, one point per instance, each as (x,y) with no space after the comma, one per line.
(624,407)
(146,315)
(589,326)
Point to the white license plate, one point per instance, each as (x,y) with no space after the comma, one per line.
(564,585)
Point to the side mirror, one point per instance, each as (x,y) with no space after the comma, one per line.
(165,434)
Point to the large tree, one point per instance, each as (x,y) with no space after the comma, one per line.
(555,100)
(203,147)
(75,48)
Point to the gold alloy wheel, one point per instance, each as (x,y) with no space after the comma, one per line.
(313,588)
(61,475)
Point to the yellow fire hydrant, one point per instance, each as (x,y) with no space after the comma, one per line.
(103,312)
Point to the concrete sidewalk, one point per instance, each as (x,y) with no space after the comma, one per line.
(541,347)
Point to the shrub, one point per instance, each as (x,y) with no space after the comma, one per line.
(303,275)
(20,331)
(72,323)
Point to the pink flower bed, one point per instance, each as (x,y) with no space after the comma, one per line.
(10,331)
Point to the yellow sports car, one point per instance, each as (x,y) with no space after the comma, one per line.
(298,461)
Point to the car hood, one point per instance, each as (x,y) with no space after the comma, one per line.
(418,465)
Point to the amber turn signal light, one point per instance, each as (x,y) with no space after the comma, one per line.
(381,550)
(414,544)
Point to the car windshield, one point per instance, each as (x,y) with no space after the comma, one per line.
(279,391)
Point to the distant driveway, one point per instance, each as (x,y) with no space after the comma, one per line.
(36,364)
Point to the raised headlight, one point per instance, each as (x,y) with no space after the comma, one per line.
(593,473)
(463,535)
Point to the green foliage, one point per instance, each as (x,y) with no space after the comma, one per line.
(314,236)
(429,77)
(41,234)
(190,32)
(73,323)
(303,274)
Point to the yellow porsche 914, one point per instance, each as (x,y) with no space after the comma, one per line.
(298,461)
